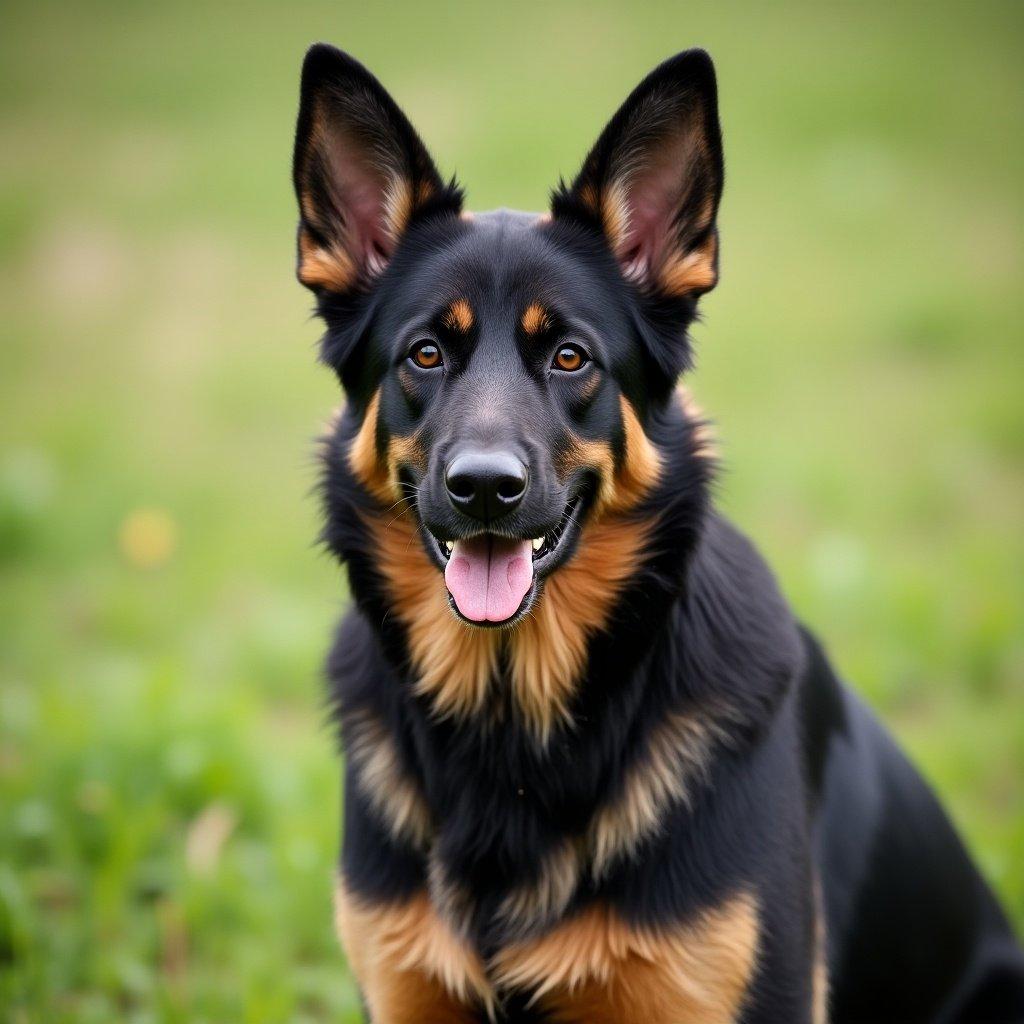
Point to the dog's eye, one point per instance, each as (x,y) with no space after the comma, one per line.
(426,355)
(569,358)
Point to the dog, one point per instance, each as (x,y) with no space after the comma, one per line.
(595,769)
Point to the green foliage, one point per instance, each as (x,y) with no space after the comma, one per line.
(168,791)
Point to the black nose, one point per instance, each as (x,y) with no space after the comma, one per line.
(485,485)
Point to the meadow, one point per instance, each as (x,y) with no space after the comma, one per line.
(169,787)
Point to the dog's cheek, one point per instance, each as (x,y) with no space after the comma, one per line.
(580,455)
(364,455)
(626,474)
(404,454)
(639,470)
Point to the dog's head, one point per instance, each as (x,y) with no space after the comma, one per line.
(504,366)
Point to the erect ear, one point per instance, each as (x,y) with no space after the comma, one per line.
(653,180)
(361,174)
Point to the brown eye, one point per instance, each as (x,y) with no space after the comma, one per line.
(426,355)
(569,358)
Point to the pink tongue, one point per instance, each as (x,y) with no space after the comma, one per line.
(489,576)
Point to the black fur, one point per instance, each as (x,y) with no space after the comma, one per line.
(802,788)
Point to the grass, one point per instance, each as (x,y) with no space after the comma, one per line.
(168,790)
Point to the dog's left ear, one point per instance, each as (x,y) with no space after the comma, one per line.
(653,181)
(361,173)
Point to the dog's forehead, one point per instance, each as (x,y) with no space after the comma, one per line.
(505,252)
(503,261)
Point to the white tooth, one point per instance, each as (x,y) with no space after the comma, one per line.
(450,545)
(538,543)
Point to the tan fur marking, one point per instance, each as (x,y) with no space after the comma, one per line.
(687,272)
(424,192)
(330,267)
(534,319)
(597,968)
(593,455)
(706,446)
(459,316)
(641,468)
(544,899)
(819,979)
(398,206)
(638,474)
(615,215)
(380,477)
(820,988)
(364,459)
(409,964)
(676,754)
(451,898)
(588,197)
(454,662)
(550,646)
(404,451)
(392,793)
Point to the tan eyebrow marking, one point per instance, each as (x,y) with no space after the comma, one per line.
(459,316)
(535,319)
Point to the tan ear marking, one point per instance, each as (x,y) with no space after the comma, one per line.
(588,197)
(615,215)
(690,272)
(330,267)
(398,205)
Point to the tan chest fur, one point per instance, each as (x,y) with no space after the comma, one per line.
(592,968)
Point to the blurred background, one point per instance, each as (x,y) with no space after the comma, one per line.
(169,791)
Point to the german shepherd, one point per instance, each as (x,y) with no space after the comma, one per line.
(596,771)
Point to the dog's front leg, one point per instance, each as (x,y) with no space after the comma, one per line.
(408,963)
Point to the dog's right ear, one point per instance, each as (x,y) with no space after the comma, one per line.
(362,176)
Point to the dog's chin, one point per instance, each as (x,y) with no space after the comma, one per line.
(492,579)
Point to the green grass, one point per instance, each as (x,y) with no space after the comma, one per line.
(168,790)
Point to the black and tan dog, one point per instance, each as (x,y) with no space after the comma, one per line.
(596,772)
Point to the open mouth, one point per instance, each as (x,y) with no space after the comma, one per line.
(492,579)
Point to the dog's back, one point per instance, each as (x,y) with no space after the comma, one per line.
(913,932)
